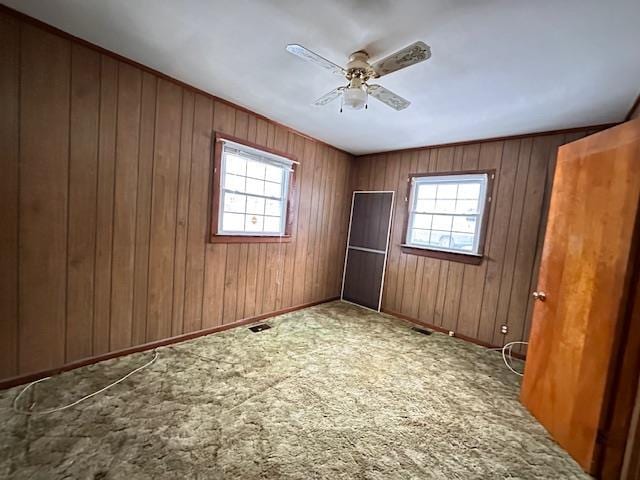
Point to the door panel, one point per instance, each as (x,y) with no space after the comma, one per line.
(584,276)
(367,246)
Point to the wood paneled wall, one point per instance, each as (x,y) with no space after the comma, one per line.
(471,300)
(105,191)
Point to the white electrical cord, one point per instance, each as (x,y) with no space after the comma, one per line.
(509,347)
(86,397)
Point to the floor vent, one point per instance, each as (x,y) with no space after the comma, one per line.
(260,327)
(422,331)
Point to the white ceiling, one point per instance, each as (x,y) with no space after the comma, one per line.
(499,67)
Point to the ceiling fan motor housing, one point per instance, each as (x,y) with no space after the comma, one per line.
(358,66)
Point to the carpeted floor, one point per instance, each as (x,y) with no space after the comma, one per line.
(331,392)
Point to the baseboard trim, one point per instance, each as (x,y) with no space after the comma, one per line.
(30,377)
(420,323)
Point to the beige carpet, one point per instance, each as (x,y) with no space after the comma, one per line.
(331,392)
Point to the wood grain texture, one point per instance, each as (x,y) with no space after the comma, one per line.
(585,271)
(83,175)
(104,238)
(44,128)
(471,300)
(9,193)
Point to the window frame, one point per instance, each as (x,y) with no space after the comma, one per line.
(215,236)
(443,254)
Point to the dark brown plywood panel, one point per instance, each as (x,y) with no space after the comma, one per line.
(9,146)
(44,161)
(124,205)
(361,283)
(83,177)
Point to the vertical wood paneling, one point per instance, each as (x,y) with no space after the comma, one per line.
(104,242)
(44,169)
(104,203)
(198,213)
(166,161)
(124,205)
(83,176)
(143,208)
(9,160)
(473,301)
(473,285)
(182,213)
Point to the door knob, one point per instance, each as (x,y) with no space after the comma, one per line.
(541,296)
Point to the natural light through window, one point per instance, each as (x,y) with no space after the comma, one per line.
(446,212)
(254,191)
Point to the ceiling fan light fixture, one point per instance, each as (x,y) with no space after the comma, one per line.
(354,98)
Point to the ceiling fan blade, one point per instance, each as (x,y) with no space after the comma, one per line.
(388,97)
(328,97)
(414,53)
(312,57)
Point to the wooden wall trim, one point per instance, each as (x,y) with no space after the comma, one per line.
(22,379)
(520,136)
(420,323)
(55,30)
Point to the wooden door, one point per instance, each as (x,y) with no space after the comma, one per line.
(367,246)
(582,287)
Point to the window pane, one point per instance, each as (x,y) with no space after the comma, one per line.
(271,224)
(422,221)
(420,236)
(273,173)
(234,202)
(272,189)
(467,206)
(469,191)
(462,241)
(427,190)
(447,190)
(445,206)
(255,205)
(441,238)
(232,222)
(464,224)
(234,182)
(273,208)
(442,222)
(425,206)
(256,187)
(254,223)
(255,169)
(237,165)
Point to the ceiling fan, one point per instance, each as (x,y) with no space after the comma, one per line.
(359,71)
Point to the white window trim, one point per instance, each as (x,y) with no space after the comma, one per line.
(264,157)
(483,200)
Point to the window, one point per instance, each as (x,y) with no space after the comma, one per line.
(447,212)
(253,195)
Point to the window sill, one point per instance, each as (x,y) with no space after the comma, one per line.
(250,239)
(468,258)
